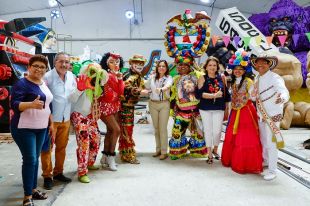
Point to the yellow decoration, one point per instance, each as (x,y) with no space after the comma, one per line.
(243,63)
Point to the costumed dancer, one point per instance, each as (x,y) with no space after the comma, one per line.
(270,94)
(85,115)
(192,43)
(110,102)
(242,149)
(133,87)
(186,114)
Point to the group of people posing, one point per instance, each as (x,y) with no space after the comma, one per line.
(45,102)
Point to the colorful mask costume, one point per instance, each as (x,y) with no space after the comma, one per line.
(85,114)
(133,85)
(184,42)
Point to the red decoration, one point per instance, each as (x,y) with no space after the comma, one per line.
(186,39)
(199,37)
(4,93)
(1,111)
(20,59)
(5,72)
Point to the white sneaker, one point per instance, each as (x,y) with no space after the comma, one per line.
(103,160)
(270,176)
(111,163)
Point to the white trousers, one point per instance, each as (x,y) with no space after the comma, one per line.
(212,121)
(270,151)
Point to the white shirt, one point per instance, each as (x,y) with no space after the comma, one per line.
(61,91)
(165,81)
(270,85)
(81,102)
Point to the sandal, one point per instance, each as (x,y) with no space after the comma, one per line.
(38,195)
(210,160)
(216,156)
(134,161)
(28,202)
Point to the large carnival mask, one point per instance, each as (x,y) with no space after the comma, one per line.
(97,78)
(137,63)
(187,37)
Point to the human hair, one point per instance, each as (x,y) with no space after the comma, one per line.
(60,54)
(156,69)
(212,58)
(38,58)
(104,61)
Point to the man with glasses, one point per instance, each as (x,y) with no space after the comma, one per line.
(61,83)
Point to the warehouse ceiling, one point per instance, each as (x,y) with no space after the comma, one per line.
(255,6)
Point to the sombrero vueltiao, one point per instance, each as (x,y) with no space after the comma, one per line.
(272,60)
(137,58)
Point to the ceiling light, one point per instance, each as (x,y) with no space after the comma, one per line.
(129,14)
(52,3)
(55,14)
(205,1)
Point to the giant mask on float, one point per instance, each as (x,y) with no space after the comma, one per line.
(187,36)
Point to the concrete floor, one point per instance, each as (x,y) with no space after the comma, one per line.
(155,182)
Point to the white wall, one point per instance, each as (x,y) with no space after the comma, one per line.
(106,19)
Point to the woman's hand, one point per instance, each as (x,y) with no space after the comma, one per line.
(144,92)
(218,94)
(37,103)
(201,81)
(119,75)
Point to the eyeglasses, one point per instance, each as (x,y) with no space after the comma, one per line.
(38,67)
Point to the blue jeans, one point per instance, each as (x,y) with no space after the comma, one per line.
(30,143)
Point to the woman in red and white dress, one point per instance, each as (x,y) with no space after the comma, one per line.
(109,104)
(242,149)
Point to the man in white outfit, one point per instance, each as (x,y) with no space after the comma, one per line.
(270,94)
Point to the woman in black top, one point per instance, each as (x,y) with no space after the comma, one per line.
(214,96)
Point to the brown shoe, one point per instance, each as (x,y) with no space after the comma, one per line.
(156,154)
(163,156)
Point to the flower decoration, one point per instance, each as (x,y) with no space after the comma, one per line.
(240,58)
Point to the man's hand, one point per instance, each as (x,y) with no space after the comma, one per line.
(52,133)
(279,99)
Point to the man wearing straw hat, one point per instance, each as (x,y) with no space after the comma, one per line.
(270,94)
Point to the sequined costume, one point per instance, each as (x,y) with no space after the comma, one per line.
(133,84)
(186,116)
(109,101)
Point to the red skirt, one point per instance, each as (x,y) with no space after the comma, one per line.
(243,151)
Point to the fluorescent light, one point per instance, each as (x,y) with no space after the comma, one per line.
(205,1)
(129,14)
(52,3)
(55,14)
